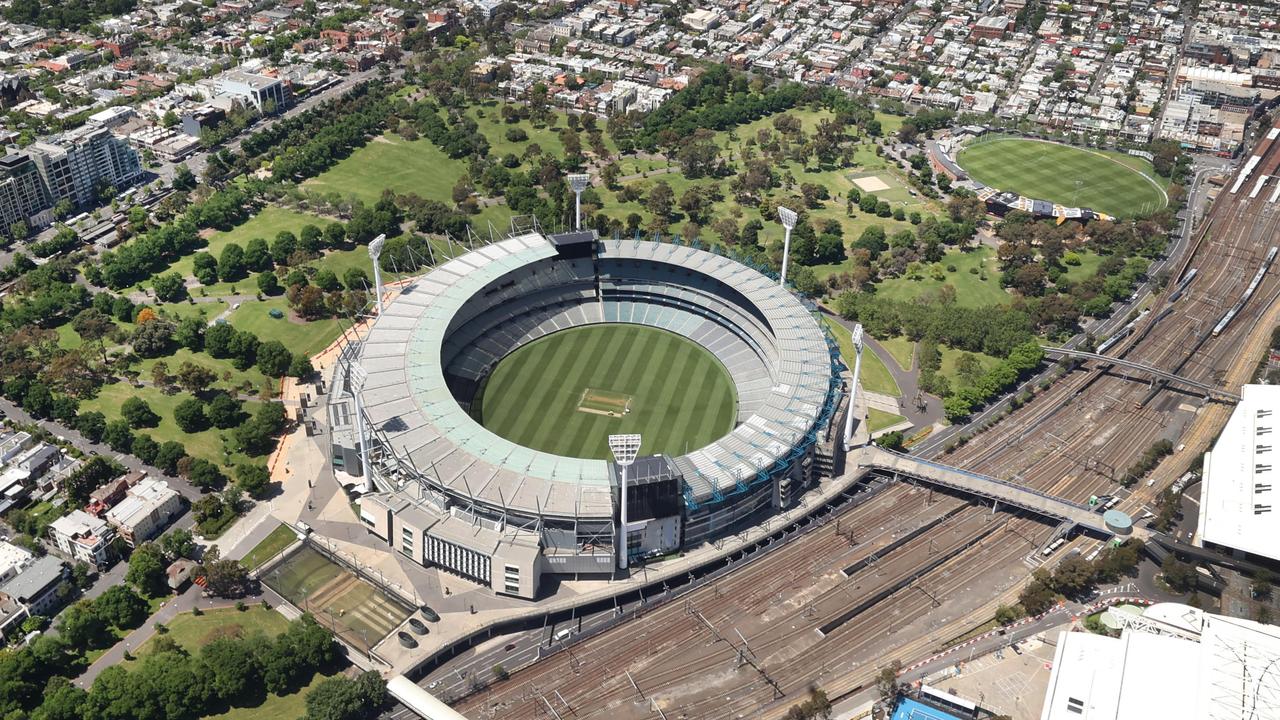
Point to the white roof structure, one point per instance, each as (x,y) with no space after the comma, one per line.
(1238,495)
(1232,672)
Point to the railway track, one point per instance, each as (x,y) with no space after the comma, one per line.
(1074,440)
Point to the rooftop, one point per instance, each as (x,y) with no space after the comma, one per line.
(1238,496)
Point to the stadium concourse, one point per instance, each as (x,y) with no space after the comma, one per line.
(447,492)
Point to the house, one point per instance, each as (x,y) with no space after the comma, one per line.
(36,587)
(111,492)
(84,537)
(146,509)
(179,572)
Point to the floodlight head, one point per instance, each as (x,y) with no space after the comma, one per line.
(375,246)
(787,218)
(624,448)
(579,182)
(357,376)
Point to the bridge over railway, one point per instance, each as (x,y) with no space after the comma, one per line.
(1206,388)
(1040,503)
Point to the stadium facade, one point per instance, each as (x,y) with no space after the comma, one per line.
(449,493)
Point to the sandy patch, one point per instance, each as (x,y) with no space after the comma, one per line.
(871,184)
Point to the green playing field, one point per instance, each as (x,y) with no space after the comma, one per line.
(1062,174)
(556,394)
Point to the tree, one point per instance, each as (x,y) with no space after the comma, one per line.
(283,246)
(183,178)
(194,378)
(138,413)
(118,436)
(232,666)
(19,231)
(231,263)
(274,358)
(121,607)
(205,268)
(253,479)
(153,338)
(660,200)
(268,283)
(339,698)
(300,366)
(170,454)
(81,627)
(92,425)
(205,475)
(224,577)
(190,333)
(93,326)
(189,414)
(146,570)
(887,681)
(223,411)
(169,287)
(178,543)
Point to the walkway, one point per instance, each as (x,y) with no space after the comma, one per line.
(1211,390)
(908,380)
(134,640)
(987,487)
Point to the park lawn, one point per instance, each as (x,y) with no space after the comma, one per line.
(250,381)
(269,222)
(280,538)
(971,289)
(878,420)
(950,358)
(192,632)
(207,444)
(300,336)
(389,162)
(874,375)
(902,350)
(68,338)
(1063,174)
(1088,267)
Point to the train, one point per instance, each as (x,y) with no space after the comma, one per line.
(1121,334)
(1248,293)
(1182,285)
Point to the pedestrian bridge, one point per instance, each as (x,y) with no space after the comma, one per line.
(1206,388)
(1043,504)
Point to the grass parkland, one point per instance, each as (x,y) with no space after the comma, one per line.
(1113,183)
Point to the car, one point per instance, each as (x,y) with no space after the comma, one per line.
(509,647)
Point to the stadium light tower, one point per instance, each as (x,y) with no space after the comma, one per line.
(357,376)
(624,449)
(375,250)
(578,183)
(788,219)
(853,388)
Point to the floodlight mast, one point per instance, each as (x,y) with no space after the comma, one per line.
(357,376)
(788,219)
(578,183)
(624,449)
(375,251)
(853,386)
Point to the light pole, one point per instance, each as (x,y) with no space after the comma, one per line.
(788,219)
(357,377)
(375,250)
(853,387)
(624,449)
(578,183)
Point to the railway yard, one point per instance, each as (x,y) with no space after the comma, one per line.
(930,564)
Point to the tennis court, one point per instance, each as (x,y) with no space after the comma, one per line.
(341,600)
(909,709)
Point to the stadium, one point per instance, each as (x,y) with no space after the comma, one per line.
(485,390)
(1045,178)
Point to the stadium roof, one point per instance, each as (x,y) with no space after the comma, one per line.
(409,404)
(1238,497)
(1229,674)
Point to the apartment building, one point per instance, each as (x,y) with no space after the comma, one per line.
(84,537)
(76,164)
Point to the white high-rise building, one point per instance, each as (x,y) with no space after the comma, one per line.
(77,164)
